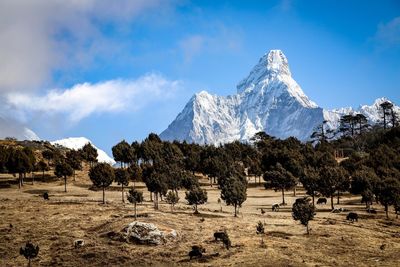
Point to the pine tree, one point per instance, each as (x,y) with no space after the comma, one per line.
(102,175)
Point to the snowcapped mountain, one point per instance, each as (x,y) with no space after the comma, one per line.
(11,128)
(268,99)
(78,142)
(373,113)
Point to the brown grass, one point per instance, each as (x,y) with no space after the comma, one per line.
(55,224)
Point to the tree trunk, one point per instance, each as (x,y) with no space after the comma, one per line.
(33,178)
(195,209)
(308,231)
(332,203)
(74,175)
(283,196)
(19,180)
(29,262)
(235,211)
(65,184)
(135,211)
(24,177)
(104,195)
(123,199)
(387,211)
(294,191)
(156,201)
(338,197)
(313,199)
(151,196)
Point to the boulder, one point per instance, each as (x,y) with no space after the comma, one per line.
(148,233)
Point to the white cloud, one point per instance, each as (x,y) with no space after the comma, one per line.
(84,99)
(388,34)
(39,37)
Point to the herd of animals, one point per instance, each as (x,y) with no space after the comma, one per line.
(197,250)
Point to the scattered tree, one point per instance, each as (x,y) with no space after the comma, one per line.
(30,252)
(63,169)
(303,211)
(233,191)
(122,178)
(102,175)
(279,179)
(135,197)
(172,198)
(196,196)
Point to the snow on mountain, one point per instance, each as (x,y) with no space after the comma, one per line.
(78,142)
(268,99)
(10,128)
(373,113)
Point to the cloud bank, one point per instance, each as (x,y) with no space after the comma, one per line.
(41,37)
(83,100)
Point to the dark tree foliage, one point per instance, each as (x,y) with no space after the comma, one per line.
(102,176)
(172,198)
(363,182)
(135,173)
(135,197)
(19,162)
(388,193)
(89,153)
(233,191)
(74,159)
(303,211)
(63,170)
(123,153)
(279,179)
(332,179)
(30,251)
(122,179)
(310,181)
(42,166)
(48,154)
(195,197)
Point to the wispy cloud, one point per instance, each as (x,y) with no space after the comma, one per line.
(83,100)
(220,39)
(388,34)
(39,37)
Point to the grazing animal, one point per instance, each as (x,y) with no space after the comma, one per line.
(262,211)
(46,196)
(352,216)
(219,235)
(275,207)
(227,242)
(79,243)
(321,200)
(197,251)
(373,211)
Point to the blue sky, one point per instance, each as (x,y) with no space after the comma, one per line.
(113,70)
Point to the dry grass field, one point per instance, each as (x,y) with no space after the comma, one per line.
(79,214)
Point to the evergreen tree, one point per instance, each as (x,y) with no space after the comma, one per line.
(303,211)
(233,191)
(196,196)
(279,179)
(89,153)
(122,178)
(388,193)
(42,166)
(135,197)
(74,159)
(102,175)
(332,179)
(30,251)
(310,181)
(172,198)
(63,169)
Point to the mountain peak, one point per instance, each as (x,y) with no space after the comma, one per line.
(271,65)
(276,62)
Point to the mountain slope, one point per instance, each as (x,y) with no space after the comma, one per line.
(268,99)
(11,128)
(78,142)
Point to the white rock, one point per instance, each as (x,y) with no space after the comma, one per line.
(148,233)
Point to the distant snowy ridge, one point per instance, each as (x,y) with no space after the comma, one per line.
(268,99)
(11,128)
(78,142)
